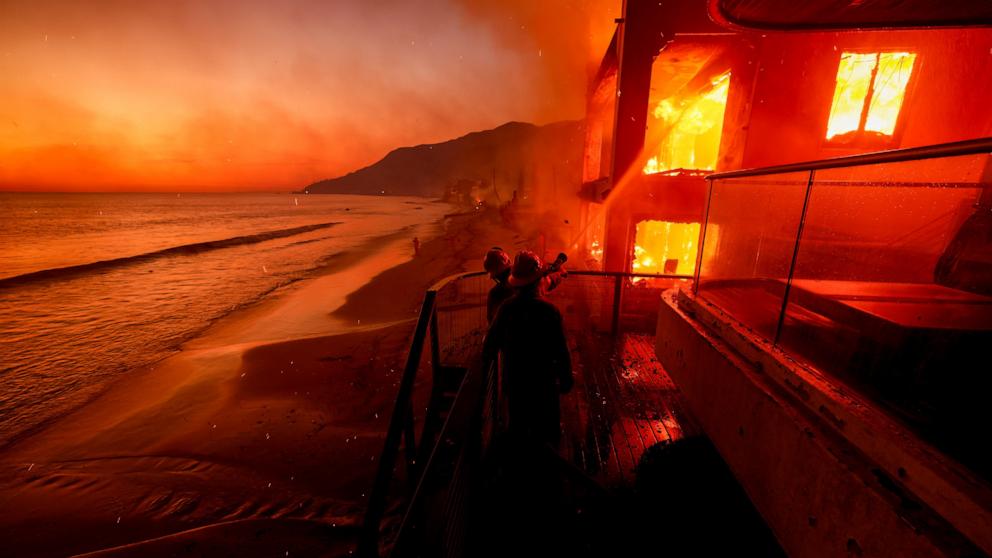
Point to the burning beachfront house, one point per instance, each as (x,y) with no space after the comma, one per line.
(857,288)
(670,92)
(678,97)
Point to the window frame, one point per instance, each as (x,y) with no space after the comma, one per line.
(861,140)
(637,217)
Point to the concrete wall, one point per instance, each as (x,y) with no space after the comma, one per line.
(820,493)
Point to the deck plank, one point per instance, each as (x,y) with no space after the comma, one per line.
(636,379)
(600,429)
(614,421)
(627,434)
(600,423)
(623,403)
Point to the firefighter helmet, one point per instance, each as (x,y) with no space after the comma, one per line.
(526,269)
(497,261)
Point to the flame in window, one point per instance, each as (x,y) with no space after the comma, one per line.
(869,93)
(695,127)
(665,247)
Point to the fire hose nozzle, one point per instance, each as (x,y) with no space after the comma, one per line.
(554,273)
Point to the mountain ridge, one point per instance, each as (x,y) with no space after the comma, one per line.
(514,153)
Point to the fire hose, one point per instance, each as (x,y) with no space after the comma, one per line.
(555,273)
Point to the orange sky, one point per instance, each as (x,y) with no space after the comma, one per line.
(243,94)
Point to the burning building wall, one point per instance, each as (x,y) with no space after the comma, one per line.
(867,282)
(930,86)
(721,101)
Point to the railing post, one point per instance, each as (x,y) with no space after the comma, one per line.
(795,256)
(702,238)
(368,542)
(410,441)
(435,346)
(432,417)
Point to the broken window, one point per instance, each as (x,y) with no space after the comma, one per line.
(868,96)
(664,247)
(695,126)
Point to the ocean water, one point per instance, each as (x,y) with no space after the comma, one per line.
(95,285)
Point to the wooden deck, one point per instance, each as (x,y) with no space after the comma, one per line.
(623,403)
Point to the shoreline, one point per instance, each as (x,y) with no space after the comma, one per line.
(335,263)
(275,411)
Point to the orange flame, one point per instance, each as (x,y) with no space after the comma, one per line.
(869,92)
(665,247)
(696,125)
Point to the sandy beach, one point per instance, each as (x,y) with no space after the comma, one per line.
(259,437)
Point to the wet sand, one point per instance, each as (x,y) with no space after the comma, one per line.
(259,437)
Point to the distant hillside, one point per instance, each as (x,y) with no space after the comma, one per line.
(521,155)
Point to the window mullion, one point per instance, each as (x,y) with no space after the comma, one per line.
(869,95)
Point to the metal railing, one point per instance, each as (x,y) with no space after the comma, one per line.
(440,471)
(437,519)
(401,428)
(801,192)
(952,149)
(870,268)
(763,216)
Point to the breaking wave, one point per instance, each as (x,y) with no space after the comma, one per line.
(185,249)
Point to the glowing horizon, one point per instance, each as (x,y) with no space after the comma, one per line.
(196,96)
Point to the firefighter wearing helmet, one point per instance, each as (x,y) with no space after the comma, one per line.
(528,332)
(497,264)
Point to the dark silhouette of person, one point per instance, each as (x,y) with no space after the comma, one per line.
(536,366)
(497,264)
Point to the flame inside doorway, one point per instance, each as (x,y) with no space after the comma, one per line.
(665,247)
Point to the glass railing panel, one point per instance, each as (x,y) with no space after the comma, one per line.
(749,242)
(891,290)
